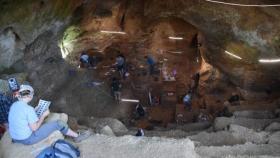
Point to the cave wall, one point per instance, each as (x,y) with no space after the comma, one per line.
(249,32)
(47,36)
(21,22)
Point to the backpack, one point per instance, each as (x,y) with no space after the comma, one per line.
(60,149)
(13,84)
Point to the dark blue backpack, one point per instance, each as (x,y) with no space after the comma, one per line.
(60,149)
(13,84)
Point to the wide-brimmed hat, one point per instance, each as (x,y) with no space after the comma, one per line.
(26,90)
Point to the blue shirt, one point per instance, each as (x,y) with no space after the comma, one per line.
(187,98)
(20,116)
(120,61)
(150,60)
(84,58)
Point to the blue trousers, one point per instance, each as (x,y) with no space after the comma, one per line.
(44,131)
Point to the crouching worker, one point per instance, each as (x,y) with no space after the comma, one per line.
(26,128)
(187,100)
(140,132)
(140,111)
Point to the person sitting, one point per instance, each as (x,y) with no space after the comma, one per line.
(155,100)
(202,117)
(140,133)
(84,59)
(233,100)
(26,128)
(234,97)
(140,111)
(187,100)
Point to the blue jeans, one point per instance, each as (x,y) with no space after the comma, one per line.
(151,69)
(44,131)
(188,105)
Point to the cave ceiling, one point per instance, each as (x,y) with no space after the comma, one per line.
(251,33)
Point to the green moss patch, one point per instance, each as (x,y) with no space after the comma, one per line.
(72,33)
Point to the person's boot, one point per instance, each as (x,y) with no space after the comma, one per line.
(82,136)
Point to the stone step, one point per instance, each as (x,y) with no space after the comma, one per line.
(198,126)
(275,126)
(174,133)
(245,150)
(255,114)
(137,147)
(221,123)
(235,135)
(256,106)
(274,138)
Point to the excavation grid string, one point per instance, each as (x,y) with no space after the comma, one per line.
(244,5)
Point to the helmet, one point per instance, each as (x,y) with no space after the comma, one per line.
(26,90)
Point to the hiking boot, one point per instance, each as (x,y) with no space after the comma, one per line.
(82,136)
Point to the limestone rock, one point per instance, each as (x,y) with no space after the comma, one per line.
(274,138)
(216,139)
(107,131)
(248,135)
(57,116)
(275,126)
(247,150)
(254,114)
(198,126)
(102,146)
(116,125)
(14,150)
(221,123)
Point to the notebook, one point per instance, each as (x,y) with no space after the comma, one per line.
(42,106)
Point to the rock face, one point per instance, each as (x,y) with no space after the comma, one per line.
(11,48)
(22,23)
(14,150)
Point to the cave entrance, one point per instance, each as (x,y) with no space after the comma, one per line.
(174,44)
